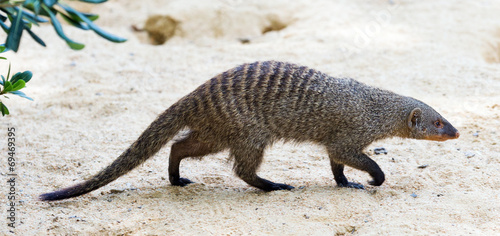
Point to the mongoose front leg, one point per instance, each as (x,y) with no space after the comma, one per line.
(247,163)
(359,161)
(187,147)
(340,179)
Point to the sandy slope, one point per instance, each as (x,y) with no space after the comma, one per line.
(91,104)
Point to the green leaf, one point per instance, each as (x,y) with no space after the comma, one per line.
(21,94)
(7,87)
(3,58)
(49,3)
(27,24)
(8,73)
(33,5)
(91,17)
(33,18)
(15,31)
(92,26)
(93,1)
(36,38)
(25,76)
(18,85)
(36,7)
(57,26)
(75,17)
(2,48)
(4,27)
(4,109)
(27,2)
(73,22)
(3,80)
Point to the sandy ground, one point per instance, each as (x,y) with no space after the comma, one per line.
(91,104)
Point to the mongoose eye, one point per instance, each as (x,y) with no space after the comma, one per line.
(438,124)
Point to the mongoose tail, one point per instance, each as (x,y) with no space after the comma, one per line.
(150,142)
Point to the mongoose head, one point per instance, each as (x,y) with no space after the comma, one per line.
(426,123)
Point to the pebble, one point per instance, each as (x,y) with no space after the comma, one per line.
(379,150)
(469,154)
(244,40)
(413,195)
(113,191)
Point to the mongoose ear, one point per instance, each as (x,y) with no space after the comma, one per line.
(414,117)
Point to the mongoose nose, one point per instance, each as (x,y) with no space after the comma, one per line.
(457,134)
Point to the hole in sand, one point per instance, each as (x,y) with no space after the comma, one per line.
(160,28)
(492,52)
(275,24)
(243,24)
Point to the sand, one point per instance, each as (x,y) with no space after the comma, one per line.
(91,104)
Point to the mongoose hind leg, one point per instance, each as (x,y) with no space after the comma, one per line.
(247,162)
(190,146)
(359,161)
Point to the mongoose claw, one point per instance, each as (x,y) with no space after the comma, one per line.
(351,185)
(182,182)
(281,187)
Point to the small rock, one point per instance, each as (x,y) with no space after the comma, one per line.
(469,154)
(380,150)
(413,195)
(244,40)
(113,191)
(476,134)
(306,216)
(423,166)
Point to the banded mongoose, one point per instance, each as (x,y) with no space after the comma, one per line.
(248,108)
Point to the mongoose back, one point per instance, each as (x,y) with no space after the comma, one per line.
(249,107)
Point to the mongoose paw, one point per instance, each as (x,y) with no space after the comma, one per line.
(277,186)
(181,182)
(376,182)
(351,185)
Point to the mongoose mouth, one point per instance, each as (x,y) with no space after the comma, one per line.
(442,137)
